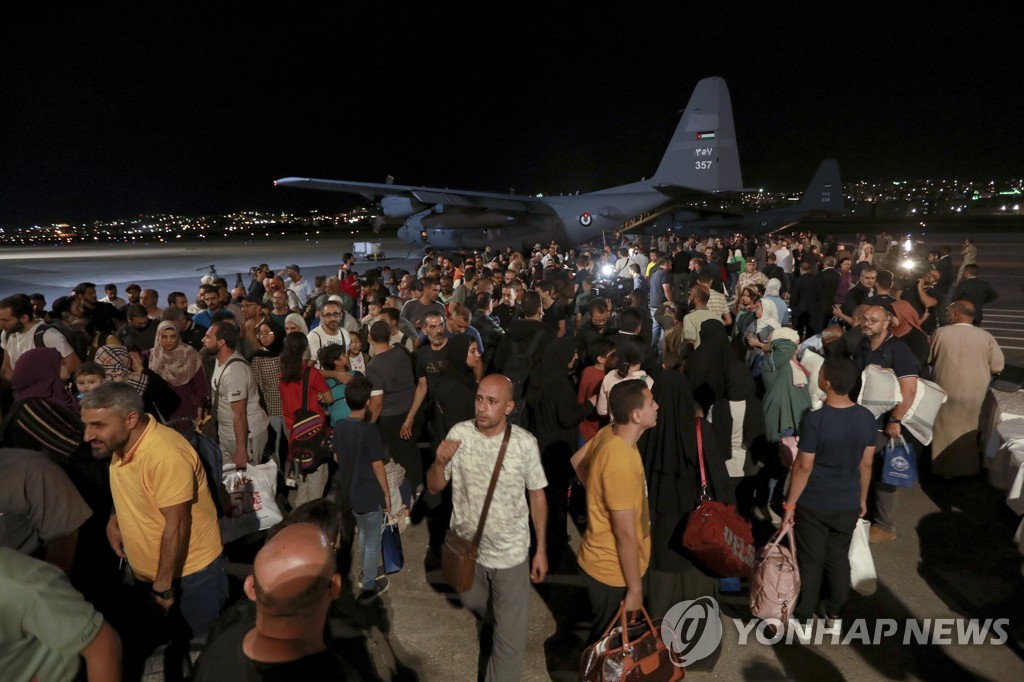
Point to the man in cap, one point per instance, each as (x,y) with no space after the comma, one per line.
(134,294)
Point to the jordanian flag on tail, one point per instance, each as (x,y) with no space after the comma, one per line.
(709,135)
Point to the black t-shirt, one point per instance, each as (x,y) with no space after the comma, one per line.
(554,314)
(359,445)
(892,354)
(836,437)
(222,659)
(431,364)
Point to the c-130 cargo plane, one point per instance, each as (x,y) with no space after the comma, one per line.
(701,159)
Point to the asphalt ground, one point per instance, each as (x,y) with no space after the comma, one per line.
(954,557)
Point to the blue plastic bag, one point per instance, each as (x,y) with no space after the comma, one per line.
(899,464)
(391,548)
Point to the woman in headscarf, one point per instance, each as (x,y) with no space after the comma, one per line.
(745,319)
(294,323)
(736,265)
(773,293)
(180,365)
(670,455)
(556,416)
(738,420)
(786,400)
(865,261)
(266,369)
(909,329)
(44,415)
(126,367)
(706,365)
(766,323)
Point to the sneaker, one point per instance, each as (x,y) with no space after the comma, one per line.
(878,534)
(367,596)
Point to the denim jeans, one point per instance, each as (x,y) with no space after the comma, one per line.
(203,594)
(370,525)
(656,330)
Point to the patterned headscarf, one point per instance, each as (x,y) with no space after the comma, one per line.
(178,365)
(117,362)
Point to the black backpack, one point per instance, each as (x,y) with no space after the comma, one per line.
(519,368)
(73,339)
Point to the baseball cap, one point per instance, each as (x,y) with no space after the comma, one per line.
(254,298)
(133,286)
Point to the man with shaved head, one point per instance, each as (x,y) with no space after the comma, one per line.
(880,347)
(467,458)
(293,583)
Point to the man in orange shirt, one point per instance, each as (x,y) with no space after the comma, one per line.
(164,520)
(616,547)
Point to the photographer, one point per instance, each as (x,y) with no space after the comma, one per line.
(257,274)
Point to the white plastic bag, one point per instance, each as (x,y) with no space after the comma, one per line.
(920,418)
(862,565)
(252,491)
(880,390)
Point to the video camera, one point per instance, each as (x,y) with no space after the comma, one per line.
(617,289)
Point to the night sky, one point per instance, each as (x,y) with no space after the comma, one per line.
(112,112)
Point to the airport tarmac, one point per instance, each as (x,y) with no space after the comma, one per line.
(954,557)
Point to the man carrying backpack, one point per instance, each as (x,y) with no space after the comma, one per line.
(241,422)
(22,333)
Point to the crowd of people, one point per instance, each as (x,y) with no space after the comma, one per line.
(592,379)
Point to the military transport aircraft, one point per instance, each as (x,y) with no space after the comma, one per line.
(701,159)
(824,196)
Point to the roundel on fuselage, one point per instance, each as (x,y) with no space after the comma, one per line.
(586,219)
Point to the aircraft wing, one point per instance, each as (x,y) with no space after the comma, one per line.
(504,203)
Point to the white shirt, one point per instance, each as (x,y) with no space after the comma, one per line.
(784,259)
(303,289)
(117,301)
(235,384)
(16,344)
(318,338)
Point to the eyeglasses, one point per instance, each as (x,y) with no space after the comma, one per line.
(330,314)
(265,332)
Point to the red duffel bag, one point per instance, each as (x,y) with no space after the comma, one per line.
(716,536)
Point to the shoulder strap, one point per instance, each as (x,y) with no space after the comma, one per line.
(494,483)
(216,389)
(305,390)
(700,459)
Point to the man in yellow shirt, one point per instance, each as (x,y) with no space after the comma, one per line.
(616,546)
(164,520)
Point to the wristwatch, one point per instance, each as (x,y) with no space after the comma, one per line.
(166,594)
(894,420)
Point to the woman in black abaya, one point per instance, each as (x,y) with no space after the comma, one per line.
(706,366)
(673,477)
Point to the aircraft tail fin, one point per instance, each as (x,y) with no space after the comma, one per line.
(702,154)
(825,193)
